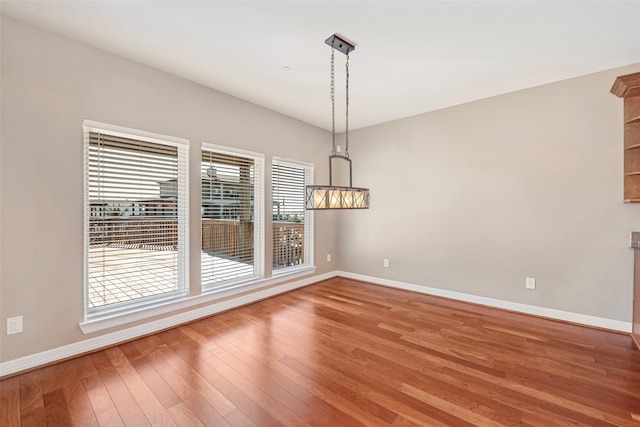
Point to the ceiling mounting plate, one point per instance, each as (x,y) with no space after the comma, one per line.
(340,44)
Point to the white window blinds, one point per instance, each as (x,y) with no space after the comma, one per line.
(135,219)
(292,238)
(232,216)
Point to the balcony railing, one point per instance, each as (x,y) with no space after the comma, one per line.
(288,244)
(219,236)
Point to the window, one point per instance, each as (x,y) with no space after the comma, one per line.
(232,210)
(292,224)
(136,213)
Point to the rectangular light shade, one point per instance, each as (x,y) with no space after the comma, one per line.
(333,197)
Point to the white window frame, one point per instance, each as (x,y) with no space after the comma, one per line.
(182,145)
(258,219)
(308,218)
(193,304)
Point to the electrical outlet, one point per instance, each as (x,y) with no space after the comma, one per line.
(338,149)
(530,283)
(328,257)
(14,325)
(385,263)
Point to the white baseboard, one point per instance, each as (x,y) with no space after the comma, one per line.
(584,319)
(60,353)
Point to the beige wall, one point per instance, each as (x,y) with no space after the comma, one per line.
(476,197)
(50,84)
(471,198)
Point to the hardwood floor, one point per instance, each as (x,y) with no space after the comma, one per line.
(344,353)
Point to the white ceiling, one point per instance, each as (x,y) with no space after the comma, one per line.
(410,57)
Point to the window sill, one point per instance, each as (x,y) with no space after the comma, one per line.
(113,321)
(286,272)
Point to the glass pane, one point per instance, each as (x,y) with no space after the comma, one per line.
(132,191)
(288,214)
(227,212)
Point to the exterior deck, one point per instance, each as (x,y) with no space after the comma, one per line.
(118,244)
(127,279)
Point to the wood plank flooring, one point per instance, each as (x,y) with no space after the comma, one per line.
(343,353)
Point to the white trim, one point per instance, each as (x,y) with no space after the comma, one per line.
(128,132)
(259,167)
(182,158)
(182,217)
(259,260)
(186,302)
(53,355)
(86,208)
(226,149)
(584,319)
(309,230)
(284,160)
(309,218)
(294,270)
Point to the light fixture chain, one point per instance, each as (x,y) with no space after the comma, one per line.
(322,197)
(333,101)
(346,134)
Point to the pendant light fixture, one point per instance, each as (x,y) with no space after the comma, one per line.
(331,196)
